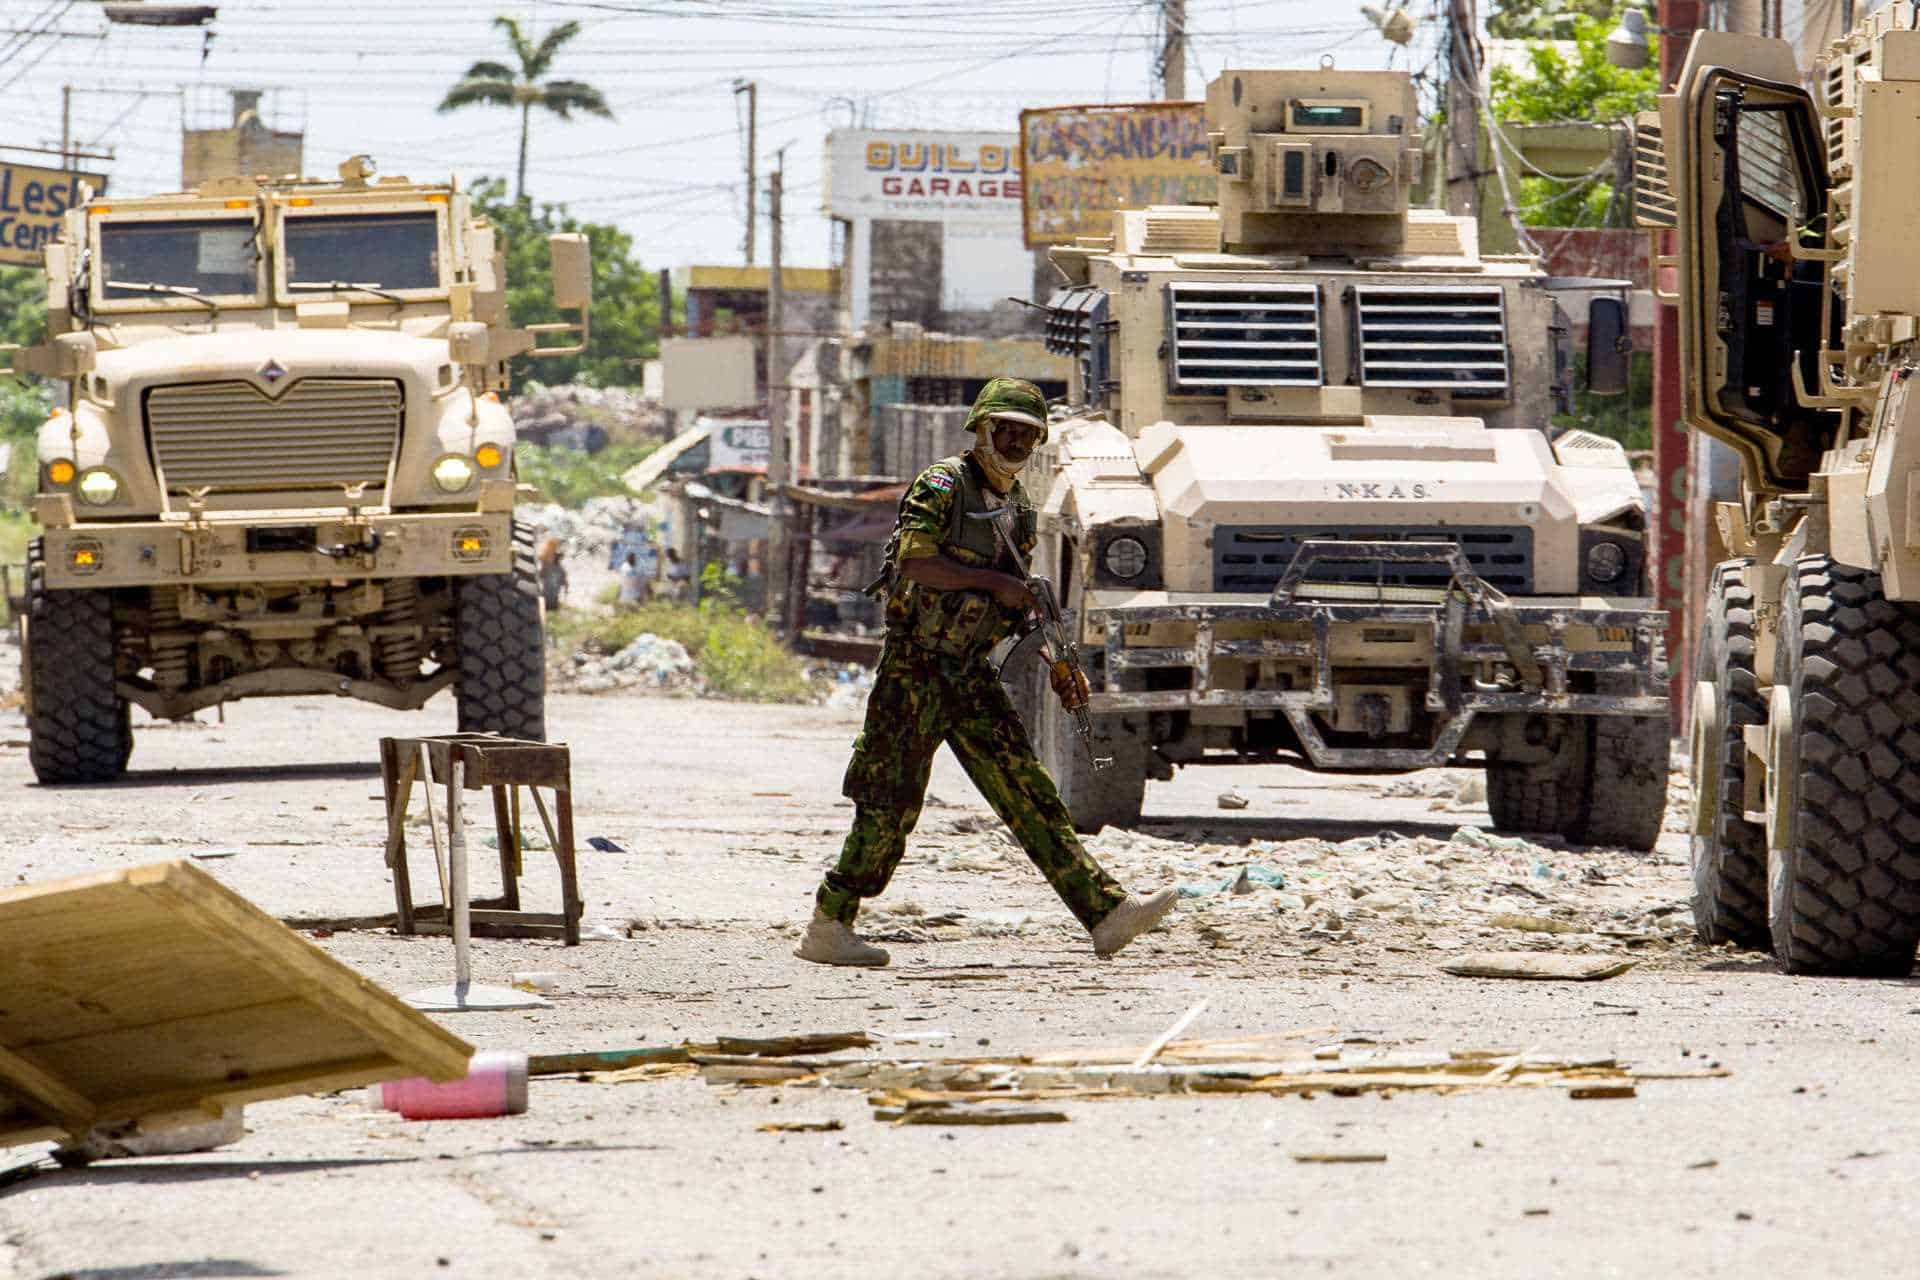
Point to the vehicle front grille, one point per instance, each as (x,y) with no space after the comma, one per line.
(1227,334)
(1438,337)
(1253,558)
(321,433)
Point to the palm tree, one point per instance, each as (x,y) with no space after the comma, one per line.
(496,84)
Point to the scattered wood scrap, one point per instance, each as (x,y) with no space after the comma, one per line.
(144,998)
(1339,1157)
(802,1126)
(963,1113)
(1539,965)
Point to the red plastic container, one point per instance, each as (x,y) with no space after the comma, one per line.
(495,1085)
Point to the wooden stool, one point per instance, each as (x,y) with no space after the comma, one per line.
(468,762)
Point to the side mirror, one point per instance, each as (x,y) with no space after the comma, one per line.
(572,271)
(1609,347)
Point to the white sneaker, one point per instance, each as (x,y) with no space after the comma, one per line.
(827,941)
(1131,919)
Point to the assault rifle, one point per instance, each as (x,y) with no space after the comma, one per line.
(1049,627)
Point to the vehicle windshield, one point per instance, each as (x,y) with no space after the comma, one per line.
(171,262)
(362,251)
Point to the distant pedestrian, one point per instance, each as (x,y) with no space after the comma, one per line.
(553,572)
(676,575)
(633,583)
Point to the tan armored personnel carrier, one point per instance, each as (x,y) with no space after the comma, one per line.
(1799,284)
(286,468)
(1305,507)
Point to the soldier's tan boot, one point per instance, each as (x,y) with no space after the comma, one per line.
(1131,919)
(827,941)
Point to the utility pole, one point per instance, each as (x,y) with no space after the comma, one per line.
(66,126)
(1463,109)
(752,89)
(780,542)
(1173,54)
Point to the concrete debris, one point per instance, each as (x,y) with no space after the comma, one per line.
(576,416)
(1550,966)
(650,662)
(1232,800)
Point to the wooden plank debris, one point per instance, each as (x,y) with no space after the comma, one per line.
(1339,1157)
(154,994)
(1538,965)
(802,1126)
(1161,1041)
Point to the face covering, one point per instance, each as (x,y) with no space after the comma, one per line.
(999,468)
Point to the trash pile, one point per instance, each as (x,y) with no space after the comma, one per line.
(581,417)
(650,662)
(590,531)
(847,685)
(1467,891)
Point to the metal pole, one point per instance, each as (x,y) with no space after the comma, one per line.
(66,126)
(780,541)
(1173,55)
(752,89)
(460,908)
(1463,110)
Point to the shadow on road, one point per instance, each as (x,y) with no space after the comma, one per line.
(134,779)
(1219,829)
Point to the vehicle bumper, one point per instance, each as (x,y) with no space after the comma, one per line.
(1465,641)
(279,547)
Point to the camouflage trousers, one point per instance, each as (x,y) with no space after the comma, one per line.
(919,701)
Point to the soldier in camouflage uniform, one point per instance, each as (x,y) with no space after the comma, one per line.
(952,594)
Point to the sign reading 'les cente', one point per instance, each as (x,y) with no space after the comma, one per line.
(917,175)
(32,203)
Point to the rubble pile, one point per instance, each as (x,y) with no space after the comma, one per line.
(650,662)
(582,417)
(590,531)
(1469,890)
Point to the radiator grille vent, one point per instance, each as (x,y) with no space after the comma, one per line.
(1244,335)
(1253,558)
(1435,337)
(321,433)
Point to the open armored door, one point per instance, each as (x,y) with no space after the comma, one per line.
(1746,167)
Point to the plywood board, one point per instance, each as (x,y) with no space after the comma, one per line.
(154,991)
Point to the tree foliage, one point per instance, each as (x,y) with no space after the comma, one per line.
(1583,88)
(626,299)
(494,84)
(1543,19)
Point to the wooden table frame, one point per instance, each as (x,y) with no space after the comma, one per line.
(503,765)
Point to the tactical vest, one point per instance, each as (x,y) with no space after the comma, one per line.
(960,624)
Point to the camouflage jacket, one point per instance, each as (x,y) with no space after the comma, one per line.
(933,521)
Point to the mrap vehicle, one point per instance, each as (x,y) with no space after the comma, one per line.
(284,468)
(1304,506)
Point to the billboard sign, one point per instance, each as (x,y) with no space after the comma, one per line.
(32,203)
(708,373)
(920,175)
(1078,164)
(739,446)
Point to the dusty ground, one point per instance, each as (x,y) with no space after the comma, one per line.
(1796,1163)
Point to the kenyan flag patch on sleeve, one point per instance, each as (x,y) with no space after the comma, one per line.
(940,480)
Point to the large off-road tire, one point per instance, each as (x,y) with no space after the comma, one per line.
(502,682)
(1620,798)
(1110,797)
(1843,777)
(1606,784)
(1528,797)
(78,728)
(1729,852)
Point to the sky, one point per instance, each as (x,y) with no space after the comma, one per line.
(366,76)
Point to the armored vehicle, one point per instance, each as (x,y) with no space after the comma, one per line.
(1798,288)
(283,467)
(1305,507)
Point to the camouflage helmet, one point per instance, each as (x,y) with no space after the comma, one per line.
(1013,398)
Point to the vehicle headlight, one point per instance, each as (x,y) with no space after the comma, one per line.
(1606,561)
(99,486)
(1126,557)
(452,473)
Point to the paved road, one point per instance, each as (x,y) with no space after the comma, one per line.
(1798,1163)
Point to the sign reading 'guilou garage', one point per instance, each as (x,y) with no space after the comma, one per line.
(32,202)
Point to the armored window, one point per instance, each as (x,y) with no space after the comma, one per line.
(377,250)
(1433,337)
(1228,334)
(159,261)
